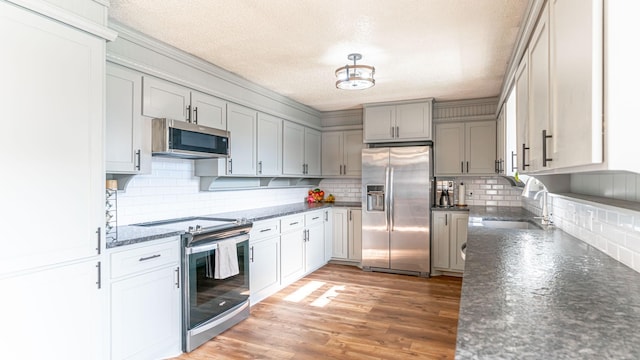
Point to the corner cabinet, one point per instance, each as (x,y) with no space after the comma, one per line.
(467,148)
(396,122)
(301,150)
(342,153)
(128,134)
(449,233)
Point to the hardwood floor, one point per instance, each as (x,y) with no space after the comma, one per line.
(342,312)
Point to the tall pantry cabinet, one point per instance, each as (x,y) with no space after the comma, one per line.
(52,93)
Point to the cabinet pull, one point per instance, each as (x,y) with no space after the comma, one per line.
(462,167)
(99,232)
(177,272)
(230,166)
(293,223)
(315,218)
(138,160)
(544,148)
(149,257)
(326,216)
(344,169)
(265,230)
(467,167)
(350,216)
(397,131)
(524,162)
(392,132)
(496,167)
(513,167)
(99,281)
(251,255)
(195,115)
(188,113)
(259,167)
(445,220)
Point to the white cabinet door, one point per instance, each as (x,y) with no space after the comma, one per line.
(441,247)
(352,153)
(501,141)
(63,304)
(145,321)
(162,99)
(292,148)
(379,123)
(340,248)
(313,151)
(292,257)
(355,235)
(458,236)
(128,135)
(264,268)
(449,149)
(413,121)
(207,110)
(576,86)
(328,234)
(522,114)
(269,145)
(332,153)
(58,92)
(241,123)
(314,251)
(480,147)
(539,92)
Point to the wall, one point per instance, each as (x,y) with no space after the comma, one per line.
(613,230)
(172,191)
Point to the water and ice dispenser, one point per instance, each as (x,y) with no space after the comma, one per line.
(375,198)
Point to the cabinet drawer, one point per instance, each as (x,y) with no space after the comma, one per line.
(264,229)
(140,259)
(292,222)
(313,217)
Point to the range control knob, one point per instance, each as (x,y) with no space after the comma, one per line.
(190,229)
(198,227)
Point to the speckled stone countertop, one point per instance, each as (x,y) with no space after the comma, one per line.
(450,208)
(543,294)
(132,234)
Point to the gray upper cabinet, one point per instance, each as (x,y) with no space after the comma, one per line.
(342,153)
(396,122)
(301,150)
(242,125)
(467,148)
(269,145)
(163,99)
(128,134)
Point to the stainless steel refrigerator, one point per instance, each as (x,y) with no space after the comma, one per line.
(396,205)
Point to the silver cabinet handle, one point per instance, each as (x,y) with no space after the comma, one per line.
(326,216)
(138,159)
(513,167)
(99,281)
(230,166)
(149,257)
(545,159)
(524,162)
(251,255)
(315,218)
(265,230)
(260,167)
(293,223)
(99,232)
(177,272)
(195,115)
(188,113)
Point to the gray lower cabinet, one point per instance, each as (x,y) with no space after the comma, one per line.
(449,233)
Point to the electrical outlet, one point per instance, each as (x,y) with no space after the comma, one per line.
(470,194)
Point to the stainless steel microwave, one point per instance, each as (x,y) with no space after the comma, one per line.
(181,139)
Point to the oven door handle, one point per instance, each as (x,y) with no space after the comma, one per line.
(213,245)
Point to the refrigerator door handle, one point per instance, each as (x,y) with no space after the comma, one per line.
(386,197)
(391,199)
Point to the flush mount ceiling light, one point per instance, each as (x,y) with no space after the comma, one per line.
(355,77)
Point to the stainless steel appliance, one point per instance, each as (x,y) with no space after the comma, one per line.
(209,305)
(181,139)
(397,190)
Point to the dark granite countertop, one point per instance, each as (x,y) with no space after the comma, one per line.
(543,294)
(132,234)
(450,208)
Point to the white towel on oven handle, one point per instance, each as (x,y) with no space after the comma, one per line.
(226,264)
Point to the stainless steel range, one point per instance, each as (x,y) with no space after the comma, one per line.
(211,304)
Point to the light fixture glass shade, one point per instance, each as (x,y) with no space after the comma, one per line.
(355,77)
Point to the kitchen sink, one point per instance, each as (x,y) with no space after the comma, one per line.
(505,224)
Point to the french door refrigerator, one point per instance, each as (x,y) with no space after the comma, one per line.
(396,205)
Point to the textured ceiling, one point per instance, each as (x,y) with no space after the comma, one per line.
(446,49)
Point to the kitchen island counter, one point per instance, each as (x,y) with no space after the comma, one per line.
(543,294)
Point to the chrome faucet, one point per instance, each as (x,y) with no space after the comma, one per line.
(545,218)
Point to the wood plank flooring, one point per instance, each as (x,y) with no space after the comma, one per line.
(342,312)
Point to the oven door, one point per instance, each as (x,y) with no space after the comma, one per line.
(208,298)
